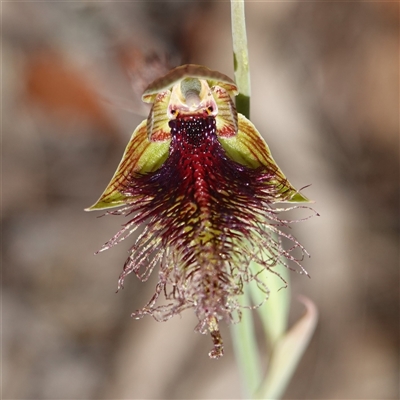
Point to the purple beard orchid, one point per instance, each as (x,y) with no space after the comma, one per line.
(201,180)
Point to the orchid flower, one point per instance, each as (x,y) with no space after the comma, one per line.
(200,181)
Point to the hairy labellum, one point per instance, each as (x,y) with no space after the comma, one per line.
(202,181)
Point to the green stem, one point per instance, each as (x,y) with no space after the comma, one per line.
(240,57)
(246,351)
(286,347)
(243,335)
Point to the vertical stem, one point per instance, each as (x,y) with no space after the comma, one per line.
(246,351)
(240,57)
(243,335)
(286,346)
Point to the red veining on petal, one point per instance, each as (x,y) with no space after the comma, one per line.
(160,136)
(226,131)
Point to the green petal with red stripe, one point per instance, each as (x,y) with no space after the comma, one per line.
(140,157)
(249,148)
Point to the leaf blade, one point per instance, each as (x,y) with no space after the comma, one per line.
(288,352)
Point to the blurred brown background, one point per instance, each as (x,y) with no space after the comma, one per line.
(325,95)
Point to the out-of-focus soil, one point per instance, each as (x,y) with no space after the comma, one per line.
(325,95)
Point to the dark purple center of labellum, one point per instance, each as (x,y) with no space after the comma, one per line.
(201,208)
(199,176)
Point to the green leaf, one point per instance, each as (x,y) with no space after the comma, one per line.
(274,313)
(287,353)
(246,349)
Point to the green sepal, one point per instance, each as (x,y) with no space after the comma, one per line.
(249,148)
(141,156)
